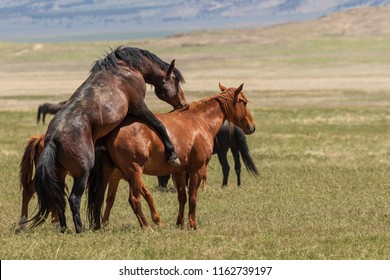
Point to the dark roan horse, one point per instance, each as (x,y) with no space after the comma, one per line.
(115,87)
(48,108)
(229,137)
(192,129)
(30,158)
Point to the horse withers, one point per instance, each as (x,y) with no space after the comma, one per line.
(115,87)
(192,130)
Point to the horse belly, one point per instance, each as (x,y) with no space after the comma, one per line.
(157,162)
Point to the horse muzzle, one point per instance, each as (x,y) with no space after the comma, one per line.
(250,129)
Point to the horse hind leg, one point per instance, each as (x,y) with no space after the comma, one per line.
(111,194)
(39,114)
(27,195)
(153,210)
(237,165)
(75,200)
(135,184)
(222,157)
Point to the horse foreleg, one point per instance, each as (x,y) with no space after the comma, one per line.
(195,180)
(179,180)
(237,164)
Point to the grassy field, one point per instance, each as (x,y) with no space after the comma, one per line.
(322,145)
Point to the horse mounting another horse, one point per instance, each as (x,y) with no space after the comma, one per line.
(30,158)
(48,108)
(115,87)
(229,137)
(191,129)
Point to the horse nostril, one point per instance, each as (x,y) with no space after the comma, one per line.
(251,128)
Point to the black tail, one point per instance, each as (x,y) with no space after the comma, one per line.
(97,182)
(50,190)
(39,114)
(244,151)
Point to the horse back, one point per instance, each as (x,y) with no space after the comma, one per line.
(142,144)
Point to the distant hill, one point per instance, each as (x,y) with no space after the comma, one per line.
(365,21)
(63,20)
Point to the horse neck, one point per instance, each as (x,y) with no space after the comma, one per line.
(212,114)
(152,73)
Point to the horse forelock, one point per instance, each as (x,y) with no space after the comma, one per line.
(134,58)
(228,104)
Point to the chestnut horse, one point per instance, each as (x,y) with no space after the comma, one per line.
(192,130)
(229,137)
(48,108)
(115,87)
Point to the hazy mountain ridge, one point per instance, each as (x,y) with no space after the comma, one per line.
(35,19)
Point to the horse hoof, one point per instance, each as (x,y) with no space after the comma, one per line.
(19,230)
(147,229)
(174,160)
(55,225)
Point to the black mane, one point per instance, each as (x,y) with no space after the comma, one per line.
(134,58)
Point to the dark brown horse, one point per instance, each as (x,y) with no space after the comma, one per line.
(229,137)
(48,108)
(116,87)
(30,159)
(192,130)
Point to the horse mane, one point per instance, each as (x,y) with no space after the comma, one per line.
(225,100)
(134,58)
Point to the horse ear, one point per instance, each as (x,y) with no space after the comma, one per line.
(170,69)
(221,87)
(236,92)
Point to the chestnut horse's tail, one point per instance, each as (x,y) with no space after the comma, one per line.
(97,181)
(244,151)
(50,190)
(29,158)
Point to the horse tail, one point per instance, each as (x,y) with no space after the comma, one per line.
(50,190)
(30,156)
(39,114)
(96,184)
(244,151)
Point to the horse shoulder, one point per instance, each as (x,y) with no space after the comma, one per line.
(202,148)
